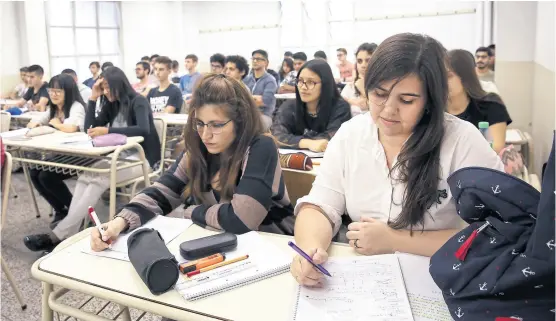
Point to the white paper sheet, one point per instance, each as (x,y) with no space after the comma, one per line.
(360,289)
(286,151)
(513,136)
(15,133)
(425,298)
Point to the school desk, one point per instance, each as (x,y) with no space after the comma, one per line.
(62,159)
(113,280)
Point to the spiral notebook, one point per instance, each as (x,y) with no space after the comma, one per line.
(265,261)
(361,288)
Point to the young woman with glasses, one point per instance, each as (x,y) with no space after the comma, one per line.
(318,111)
(386,170)
(229,176)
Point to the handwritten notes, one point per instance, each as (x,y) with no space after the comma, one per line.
(361,288)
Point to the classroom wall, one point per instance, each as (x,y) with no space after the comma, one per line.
(10,50)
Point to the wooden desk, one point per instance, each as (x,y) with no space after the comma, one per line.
(64,153)
(270,299)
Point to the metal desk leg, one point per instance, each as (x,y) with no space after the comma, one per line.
(47,314)
(28,177)
(125,313)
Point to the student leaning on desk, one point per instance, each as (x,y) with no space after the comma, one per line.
(388,168)
(229,176)
(36,96)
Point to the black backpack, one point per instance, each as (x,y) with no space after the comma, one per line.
(500,267)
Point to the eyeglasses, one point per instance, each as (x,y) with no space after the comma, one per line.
(309,84)
(360,61)
(258,59)
(55,92)
(214,128)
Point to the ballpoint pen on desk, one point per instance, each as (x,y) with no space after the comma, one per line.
(94,218)
(201,263)
(308,258)
(212,267)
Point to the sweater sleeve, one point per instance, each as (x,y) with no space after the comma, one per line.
(76,116)
(253,196)
(141,109)
(269,100)
(340,114)
(284,124)
(165,195)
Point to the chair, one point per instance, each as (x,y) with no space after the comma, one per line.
(298,183)
(6,181)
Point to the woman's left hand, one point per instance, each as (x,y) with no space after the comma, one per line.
(97,131)
(55,122)
(372,236)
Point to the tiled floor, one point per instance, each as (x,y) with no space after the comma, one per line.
(21,221)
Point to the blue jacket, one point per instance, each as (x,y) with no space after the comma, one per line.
(266,86)
(508,270)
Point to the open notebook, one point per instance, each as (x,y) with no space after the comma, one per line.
(265,261)
(361,289)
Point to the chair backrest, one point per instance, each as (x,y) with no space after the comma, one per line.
(6,181)
(5,119)
(298,183)
(161,128)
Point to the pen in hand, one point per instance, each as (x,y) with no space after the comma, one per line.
(308,258)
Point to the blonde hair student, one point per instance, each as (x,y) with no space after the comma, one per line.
(229,176)
(387,169)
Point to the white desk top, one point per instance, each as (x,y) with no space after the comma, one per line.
(52,142)
(8,101)
(272,298)
(285,96)
(172,119)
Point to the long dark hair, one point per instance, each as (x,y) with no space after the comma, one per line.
(71,94)
(462,63)
(236,101)
(370,49)
(329,96)
(288,62)
(120,89)
(418,163)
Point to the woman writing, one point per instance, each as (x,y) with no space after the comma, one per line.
(318,111)
(406,147)
(229,176)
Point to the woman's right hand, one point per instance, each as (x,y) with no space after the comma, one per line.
(304,272)
(112,230)
(96,90)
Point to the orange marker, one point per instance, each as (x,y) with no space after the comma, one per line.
(202,263)
(212,267)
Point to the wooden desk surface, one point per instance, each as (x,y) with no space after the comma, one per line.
(270,299)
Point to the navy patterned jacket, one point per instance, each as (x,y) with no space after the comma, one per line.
(508,271)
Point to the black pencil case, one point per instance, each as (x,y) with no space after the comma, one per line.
(205,246)
(152,260)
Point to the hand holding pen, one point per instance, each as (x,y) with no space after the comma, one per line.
(307,267)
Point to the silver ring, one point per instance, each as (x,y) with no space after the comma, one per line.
(355,243)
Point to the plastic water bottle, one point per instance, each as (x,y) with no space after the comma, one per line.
(483,128)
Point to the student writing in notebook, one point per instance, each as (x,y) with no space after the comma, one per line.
(387,169)
(127,113)
(312,119)
(229,176)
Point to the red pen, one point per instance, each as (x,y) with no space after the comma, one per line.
(94,217)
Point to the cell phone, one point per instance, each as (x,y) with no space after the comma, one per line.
(205,246)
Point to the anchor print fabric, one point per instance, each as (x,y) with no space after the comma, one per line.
(508,271)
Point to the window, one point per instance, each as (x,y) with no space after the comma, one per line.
(80,32)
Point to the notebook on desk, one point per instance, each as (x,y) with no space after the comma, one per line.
(265,261)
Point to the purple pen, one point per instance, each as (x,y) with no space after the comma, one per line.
(300,251)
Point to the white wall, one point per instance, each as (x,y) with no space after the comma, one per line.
(515,38)
(10,51)
(544,35)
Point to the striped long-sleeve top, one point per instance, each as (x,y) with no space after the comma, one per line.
(260,200)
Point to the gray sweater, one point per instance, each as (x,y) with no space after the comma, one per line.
(266,86)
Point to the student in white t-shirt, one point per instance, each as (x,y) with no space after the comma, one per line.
(354,92)
(387,169)
(21,88)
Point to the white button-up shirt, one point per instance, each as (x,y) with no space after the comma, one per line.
(353,177)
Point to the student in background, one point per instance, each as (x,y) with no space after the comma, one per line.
(230,170)
(142,72)
(236,68)
(468,101)
(36,96)
(288,84)
(482,61)
(66,112)
(273,74)
(146,59)
(152,60)
(318,111)
(153,81)
(84,91)
(492,60)
(175,75)
(354,92)
(288,55)
(127,113)
(407,147)
(285,69)
(165,98)
(94,68)
(21,88)
(320,55)
(187,81)
(217,63)
(106,65)
(344,66)
(263,86)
